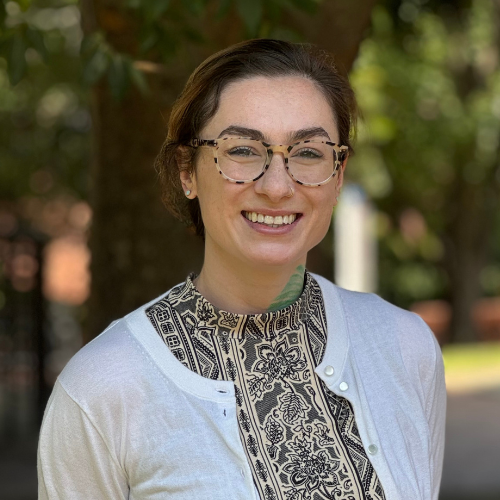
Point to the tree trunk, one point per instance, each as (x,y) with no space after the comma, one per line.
(138,250)
(467,254)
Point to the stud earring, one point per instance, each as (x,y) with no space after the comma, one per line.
(188,192)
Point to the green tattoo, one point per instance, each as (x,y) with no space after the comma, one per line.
(291,292)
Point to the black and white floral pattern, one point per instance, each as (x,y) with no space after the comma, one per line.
(300,439)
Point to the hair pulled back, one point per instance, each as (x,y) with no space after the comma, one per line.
(199,102)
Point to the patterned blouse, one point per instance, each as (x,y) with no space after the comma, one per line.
(300,438)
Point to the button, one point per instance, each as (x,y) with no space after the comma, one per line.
(242,472)
(329,371)
(343,386)
(372,449)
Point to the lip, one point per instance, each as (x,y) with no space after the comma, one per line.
(272,213)
(263,229)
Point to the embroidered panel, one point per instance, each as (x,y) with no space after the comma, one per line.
(300,438)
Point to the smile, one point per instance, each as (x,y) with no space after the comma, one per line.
(268,220)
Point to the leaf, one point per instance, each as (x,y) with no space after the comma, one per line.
(238,395)
(244,421)
(252,446)
(231,369)
(255,387)
(195,7)
(261,470)
(95,67)
(223,10)
(250,12)
(118,76)
(16,58)
(269,493)
(292,407)
(137,78)
(148,39)
(35,37)
(153,9)
(90,43)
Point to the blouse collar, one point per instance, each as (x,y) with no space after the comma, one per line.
(209,318)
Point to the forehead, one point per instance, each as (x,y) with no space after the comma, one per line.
(275,106)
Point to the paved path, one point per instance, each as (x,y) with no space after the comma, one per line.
(472,453)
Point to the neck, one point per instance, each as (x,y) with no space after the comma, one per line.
(232,286)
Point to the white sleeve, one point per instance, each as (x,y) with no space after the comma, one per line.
(74,460)
(436,416)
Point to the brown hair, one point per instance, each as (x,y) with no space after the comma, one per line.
(199,102)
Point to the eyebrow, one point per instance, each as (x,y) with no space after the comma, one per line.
(298,135)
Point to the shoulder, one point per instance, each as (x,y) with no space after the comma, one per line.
(100,367)
(116,364)
(368,308)
(374,322)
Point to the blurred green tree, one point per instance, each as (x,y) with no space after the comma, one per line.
(428,151)
(44,118)
(137,55)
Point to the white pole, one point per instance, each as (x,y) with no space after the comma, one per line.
(355,245)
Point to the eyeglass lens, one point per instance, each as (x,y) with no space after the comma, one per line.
(243,159)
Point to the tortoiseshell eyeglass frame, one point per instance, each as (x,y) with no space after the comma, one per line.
(341,153)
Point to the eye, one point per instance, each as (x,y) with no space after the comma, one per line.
(242,151)
(308,153)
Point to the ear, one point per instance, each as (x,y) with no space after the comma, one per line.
(188,181)
(186,173)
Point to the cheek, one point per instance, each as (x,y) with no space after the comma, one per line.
(216,197)
(324,215)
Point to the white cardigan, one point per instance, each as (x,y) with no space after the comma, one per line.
(126,420)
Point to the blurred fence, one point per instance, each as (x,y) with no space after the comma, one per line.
(23,387)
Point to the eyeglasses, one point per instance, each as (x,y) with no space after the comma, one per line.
(242,160)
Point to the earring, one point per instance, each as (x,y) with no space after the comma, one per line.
(188,192)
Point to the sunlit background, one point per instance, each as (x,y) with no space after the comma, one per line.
(425,177)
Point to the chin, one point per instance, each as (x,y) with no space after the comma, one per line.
(276,258)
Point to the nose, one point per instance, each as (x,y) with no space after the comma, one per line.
(275,183)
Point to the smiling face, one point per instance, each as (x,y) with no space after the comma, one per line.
(279,111)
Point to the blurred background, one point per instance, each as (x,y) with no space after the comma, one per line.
(85,93)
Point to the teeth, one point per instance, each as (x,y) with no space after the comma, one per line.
(269,220)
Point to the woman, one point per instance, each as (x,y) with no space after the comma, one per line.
(254,379)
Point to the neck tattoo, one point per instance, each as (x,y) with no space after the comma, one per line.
(291,292)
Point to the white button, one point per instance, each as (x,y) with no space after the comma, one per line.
(343,386)
(329,371)
(242,472)
(372,449)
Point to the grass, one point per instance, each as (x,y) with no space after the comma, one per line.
(471,367)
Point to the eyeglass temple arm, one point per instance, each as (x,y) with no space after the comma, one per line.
(202,142)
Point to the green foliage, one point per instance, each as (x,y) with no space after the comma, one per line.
(163,27)
(47,67)
(251,14)
(43,108)
(429,97)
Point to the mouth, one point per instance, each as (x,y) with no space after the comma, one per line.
(269,220)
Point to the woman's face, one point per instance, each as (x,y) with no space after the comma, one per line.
(279,110)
